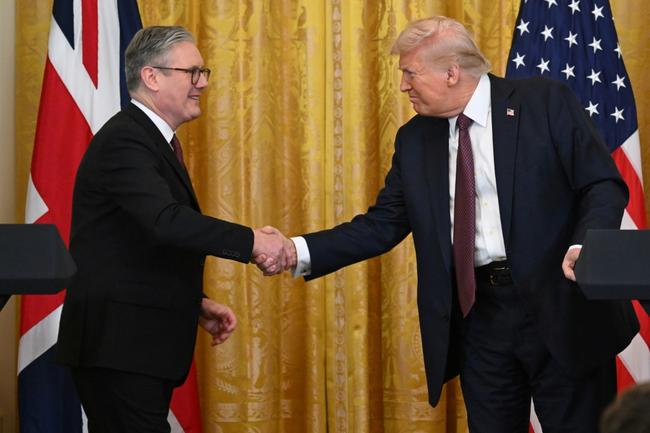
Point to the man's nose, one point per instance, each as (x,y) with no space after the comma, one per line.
(404,85)
(202,83)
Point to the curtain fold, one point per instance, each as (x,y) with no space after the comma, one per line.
(297,132)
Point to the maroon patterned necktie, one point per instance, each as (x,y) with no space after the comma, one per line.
(178,151)
(464,218)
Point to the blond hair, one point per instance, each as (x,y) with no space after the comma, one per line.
(443,39)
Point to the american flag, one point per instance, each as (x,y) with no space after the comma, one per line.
(83,86)
(575,41)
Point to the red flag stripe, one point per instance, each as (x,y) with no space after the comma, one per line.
(644,321)
(89,37)
(635,207)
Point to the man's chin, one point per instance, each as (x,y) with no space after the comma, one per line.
(195,113)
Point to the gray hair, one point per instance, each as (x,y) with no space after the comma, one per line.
(150,45)
(444,39)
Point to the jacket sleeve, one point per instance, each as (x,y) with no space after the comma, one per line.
(384,225)
(134,174)
(601,193)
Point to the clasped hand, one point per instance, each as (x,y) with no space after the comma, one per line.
(272,251)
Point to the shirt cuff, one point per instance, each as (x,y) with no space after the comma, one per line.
(303,259)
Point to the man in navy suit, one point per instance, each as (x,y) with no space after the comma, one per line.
(129,320)
(542,178)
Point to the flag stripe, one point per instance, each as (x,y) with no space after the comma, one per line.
(535,427)
(632,149)
(89,29)
(35,207)
(644,321)
(623,378)
(635,357)
(39,338)
(634,208)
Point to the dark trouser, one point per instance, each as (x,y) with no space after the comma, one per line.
(121,402)
(505,363)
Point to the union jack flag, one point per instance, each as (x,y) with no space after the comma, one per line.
(83,86)
(575,41)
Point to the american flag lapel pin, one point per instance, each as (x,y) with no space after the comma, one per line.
(510,112)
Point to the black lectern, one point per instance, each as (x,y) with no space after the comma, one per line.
(615,264)
(33,259)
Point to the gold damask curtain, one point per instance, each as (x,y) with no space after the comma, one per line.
(297,132)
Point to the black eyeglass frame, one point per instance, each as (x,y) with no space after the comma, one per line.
(195,73)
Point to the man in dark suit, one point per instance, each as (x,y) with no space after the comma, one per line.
(129,320)
(513,323)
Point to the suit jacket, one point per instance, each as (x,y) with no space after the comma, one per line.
(139,241)
(555,180)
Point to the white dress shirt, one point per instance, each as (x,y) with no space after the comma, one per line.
(489,244)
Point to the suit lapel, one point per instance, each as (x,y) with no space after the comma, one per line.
(436,150)
(164,148)
(505,123)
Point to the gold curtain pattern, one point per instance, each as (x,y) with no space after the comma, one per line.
(297,132)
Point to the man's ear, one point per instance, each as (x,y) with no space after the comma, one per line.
(452,74)
(149,78)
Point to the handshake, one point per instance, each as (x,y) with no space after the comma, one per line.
(273,253)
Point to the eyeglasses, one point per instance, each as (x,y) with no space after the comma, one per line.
(195,72)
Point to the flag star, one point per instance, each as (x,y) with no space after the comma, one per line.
(595,76)
(592,109)
(595,44)
(618,114)
(619,82)
(571,38)
(551,3)
(574,6)
(598,12)
(519,60)
(548,33)
(543,65)
(618,50)
(523,27)
(568,71)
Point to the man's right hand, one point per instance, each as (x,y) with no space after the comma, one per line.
(272,251)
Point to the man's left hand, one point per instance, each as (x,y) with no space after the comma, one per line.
(217,319)
(569,262)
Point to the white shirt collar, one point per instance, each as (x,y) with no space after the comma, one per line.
(478,106)
(162,126)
